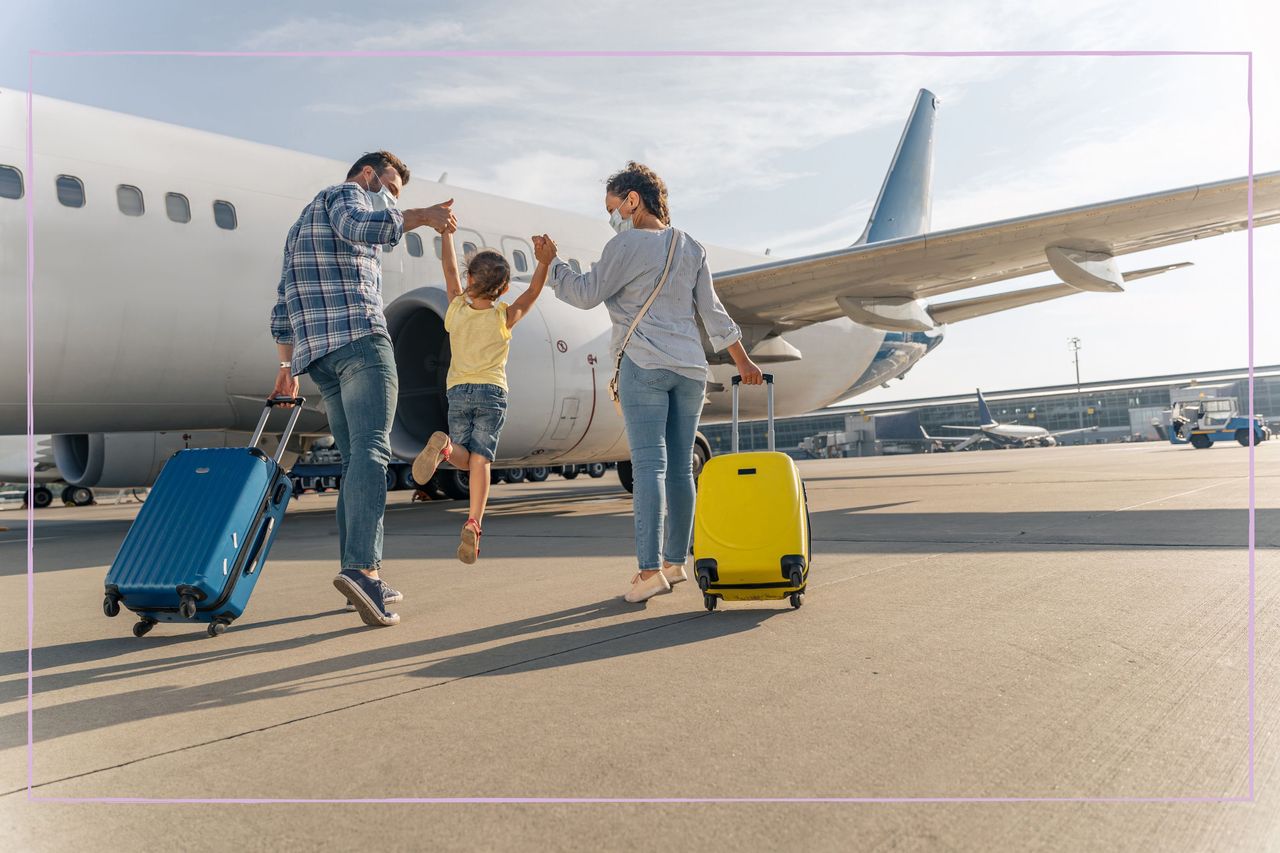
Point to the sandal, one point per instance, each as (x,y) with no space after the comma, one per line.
(438,450)
(469,550)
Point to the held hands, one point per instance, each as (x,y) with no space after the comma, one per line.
(544,249)
(439,217)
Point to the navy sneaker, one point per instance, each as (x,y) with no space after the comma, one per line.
(366,594)
(389,595)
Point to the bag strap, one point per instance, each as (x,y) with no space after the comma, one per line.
(644,309)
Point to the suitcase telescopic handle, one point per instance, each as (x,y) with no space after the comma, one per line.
(271,403)
(737,380)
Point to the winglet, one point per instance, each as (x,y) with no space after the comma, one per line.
(905,201)
(984,414)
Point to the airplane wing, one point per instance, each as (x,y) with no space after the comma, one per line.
(972,428)
(1074,431)
(879,283)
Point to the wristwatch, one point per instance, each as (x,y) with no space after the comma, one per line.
(285,364)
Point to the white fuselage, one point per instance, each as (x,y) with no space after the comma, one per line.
(144,324)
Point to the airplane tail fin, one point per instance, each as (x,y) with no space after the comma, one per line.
(984,414)
(906,197)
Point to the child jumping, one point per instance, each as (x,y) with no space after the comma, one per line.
(479,330)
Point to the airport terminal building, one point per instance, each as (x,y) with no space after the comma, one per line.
(1121,409)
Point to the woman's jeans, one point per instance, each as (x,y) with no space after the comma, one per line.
(359,384)
(661,409)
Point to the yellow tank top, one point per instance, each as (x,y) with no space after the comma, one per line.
(480,343)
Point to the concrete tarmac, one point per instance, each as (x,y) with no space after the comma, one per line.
(1066,623)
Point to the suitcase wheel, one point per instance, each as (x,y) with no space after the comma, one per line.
(111,605)
(797,599)
(187,607)
(141,628)
(217,627)
(709,601)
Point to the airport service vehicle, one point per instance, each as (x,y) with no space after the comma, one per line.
(751,539)
(1202,423)
(1002,435)
(196,549)
(138,222)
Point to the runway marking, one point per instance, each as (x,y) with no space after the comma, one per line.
(1178,495)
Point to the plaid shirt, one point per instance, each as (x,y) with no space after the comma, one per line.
(330,291)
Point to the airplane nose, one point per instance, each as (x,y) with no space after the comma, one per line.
(934,338)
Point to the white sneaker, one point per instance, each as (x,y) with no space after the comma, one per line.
(674,574)
(643,589)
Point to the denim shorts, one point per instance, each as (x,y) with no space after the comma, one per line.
(476,416)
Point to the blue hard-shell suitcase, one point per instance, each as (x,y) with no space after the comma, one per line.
(198,544)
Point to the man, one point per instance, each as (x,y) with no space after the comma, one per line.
(328,322)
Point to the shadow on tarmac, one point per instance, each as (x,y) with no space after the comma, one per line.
(564,649)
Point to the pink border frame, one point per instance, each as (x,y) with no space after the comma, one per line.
(30,330)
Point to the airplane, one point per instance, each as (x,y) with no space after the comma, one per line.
(157,252)
(1002,435)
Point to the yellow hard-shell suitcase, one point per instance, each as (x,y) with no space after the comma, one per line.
(751,539)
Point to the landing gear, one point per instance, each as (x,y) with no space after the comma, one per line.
(456,484)
(596,470)
(513,475)
(569,472)
(40,497)
(537,475)
(77,496)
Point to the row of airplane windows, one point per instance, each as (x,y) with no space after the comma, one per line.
(129,199)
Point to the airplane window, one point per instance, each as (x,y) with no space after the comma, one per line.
(70,191)
(129,199)
(177,206)
(415,245)
(468,249)
(10,182)
(224,214)
(522,263)
(439,248)
(575,266)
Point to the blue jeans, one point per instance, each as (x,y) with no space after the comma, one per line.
(661,409)
(359,384)
(476,416)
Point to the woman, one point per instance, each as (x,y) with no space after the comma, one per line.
(662,381)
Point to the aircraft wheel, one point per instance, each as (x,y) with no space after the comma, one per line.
(456,484)
(625,474)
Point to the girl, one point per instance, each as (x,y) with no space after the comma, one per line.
(479,328)
(663,376)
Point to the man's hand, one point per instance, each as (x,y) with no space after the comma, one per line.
(287,385)
(544,249)
(750,372)
(439,217)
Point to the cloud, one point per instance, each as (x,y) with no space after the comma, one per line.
(343,33)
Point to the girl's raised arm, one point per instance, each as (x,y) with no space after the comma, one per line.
(449,261)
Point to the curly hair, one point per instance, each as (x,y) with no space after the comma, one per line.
(641,179)
(488,274)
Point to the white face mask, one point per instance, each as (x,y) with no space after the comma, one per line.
(381,199)
(617,222)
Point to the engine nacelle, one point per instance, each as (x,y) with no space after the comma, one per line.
(122,460)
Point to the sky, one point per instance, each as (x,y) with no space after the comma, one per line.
(785,154)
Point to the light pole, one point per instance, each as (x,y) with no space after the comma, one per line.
(1074,343)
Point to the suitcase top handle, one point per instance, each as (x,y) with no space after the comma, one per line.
(737,380)
(272,402)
